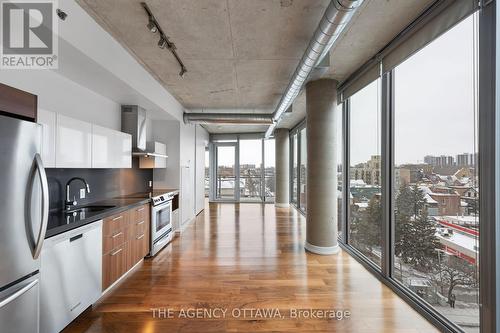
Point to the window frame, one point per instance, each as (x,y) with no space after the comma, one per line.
(488,168)
(296,131)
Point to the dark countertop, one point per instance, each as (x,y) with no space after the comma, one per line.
(60,222)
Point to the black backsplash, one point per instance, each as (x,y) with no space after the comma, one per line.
(104,183)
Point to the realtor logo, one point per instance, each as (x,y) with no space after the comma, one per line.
(28,34)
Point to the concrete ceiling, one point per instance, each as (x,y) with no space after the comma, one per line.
(376,23)
(240,54)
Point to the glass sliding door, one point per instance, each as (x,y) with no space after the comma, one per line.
(340,170)
(303,170)
(436,192)
(226,186)
(270,170)
(207,172)
(294,169)
(365,212)
(251,170)
(242,169)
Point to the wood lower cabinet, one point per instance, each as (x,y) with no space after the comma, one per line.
(125,242)
(139,233)
(114,265)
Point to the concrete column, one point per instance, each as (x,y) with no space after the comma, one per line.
(282,150)
(322,207)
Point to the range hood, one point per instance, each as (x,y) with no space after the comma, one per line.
(134,122)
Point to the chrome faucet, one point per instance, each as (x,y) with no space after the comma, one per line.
(70,203)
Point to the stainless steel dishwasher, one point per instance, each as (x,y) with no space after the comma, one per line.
(70,276)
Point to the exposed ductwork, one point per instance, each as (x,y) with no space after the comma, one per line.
(228,118)
(336,17)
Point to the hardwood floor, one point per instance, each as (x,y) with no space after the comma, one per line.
(248,256)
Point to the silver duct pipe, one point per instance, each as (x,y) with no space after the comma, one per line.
(336,17)
(228,118)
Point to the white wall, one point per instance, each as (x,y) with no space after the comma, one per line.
(187,158)
(167,132)
(202,138)
(183,142)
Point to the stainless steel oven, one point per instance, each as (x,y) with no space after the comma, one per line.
(161,222)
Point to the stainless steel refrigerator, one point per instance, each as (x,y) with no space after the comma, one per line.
(23,221)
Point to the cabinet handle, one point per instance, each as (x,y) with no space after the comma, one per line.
(140,209)
(116,252)
(118,234)
(139,223)
(118,217)
(140,237)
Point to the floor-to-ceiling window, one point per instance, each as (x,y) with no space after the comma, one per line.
(226,171)
(207,172)
(340,171)
(294,174)
(413,150)
(298,166)
(303,170)
(251,170)
(269,170)
(243,168)
(436,192)
(365,215)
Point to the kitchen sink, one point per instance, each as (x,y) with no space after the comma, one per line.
(90,209)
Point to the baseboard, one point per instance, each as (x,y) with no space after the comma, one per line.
(282,205)
(183,226)
(322,250)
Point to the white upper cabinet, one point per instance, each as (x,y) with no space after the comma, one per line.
(110,148)
(47,120)
(102,147)
(125,149)
(73,143)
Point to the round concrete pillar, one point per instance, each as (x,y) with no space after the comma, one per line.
(322,207)
(282,151)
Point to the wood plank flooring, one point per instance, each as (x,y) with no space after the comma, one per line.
(246,258)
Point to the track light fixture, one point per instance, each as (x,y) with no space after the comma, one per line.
(152,26)
(183,71)
(164,41)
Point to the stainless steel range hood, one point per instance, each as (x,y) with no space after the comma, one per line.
(134,122)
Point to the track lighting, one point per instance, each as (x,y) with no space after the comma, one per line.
(164,41)
(152,26)
(183,71)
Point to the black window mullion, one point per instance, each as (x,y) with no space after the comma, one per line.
(387,167)
(347,170)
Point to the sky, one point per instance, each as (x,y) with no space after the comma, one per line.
(250,153)
(434,107)
(434,103)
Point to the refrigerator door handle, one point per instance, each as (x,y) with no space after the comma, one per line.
(38,242)
(17,294)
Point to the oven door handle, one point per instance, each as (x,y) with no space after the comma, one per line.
(162,206)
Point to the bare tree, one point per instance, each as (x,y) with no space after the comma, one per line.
(457,272)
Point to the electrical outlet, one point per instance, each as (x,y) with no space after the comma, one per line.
(82,193)
(150,183)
